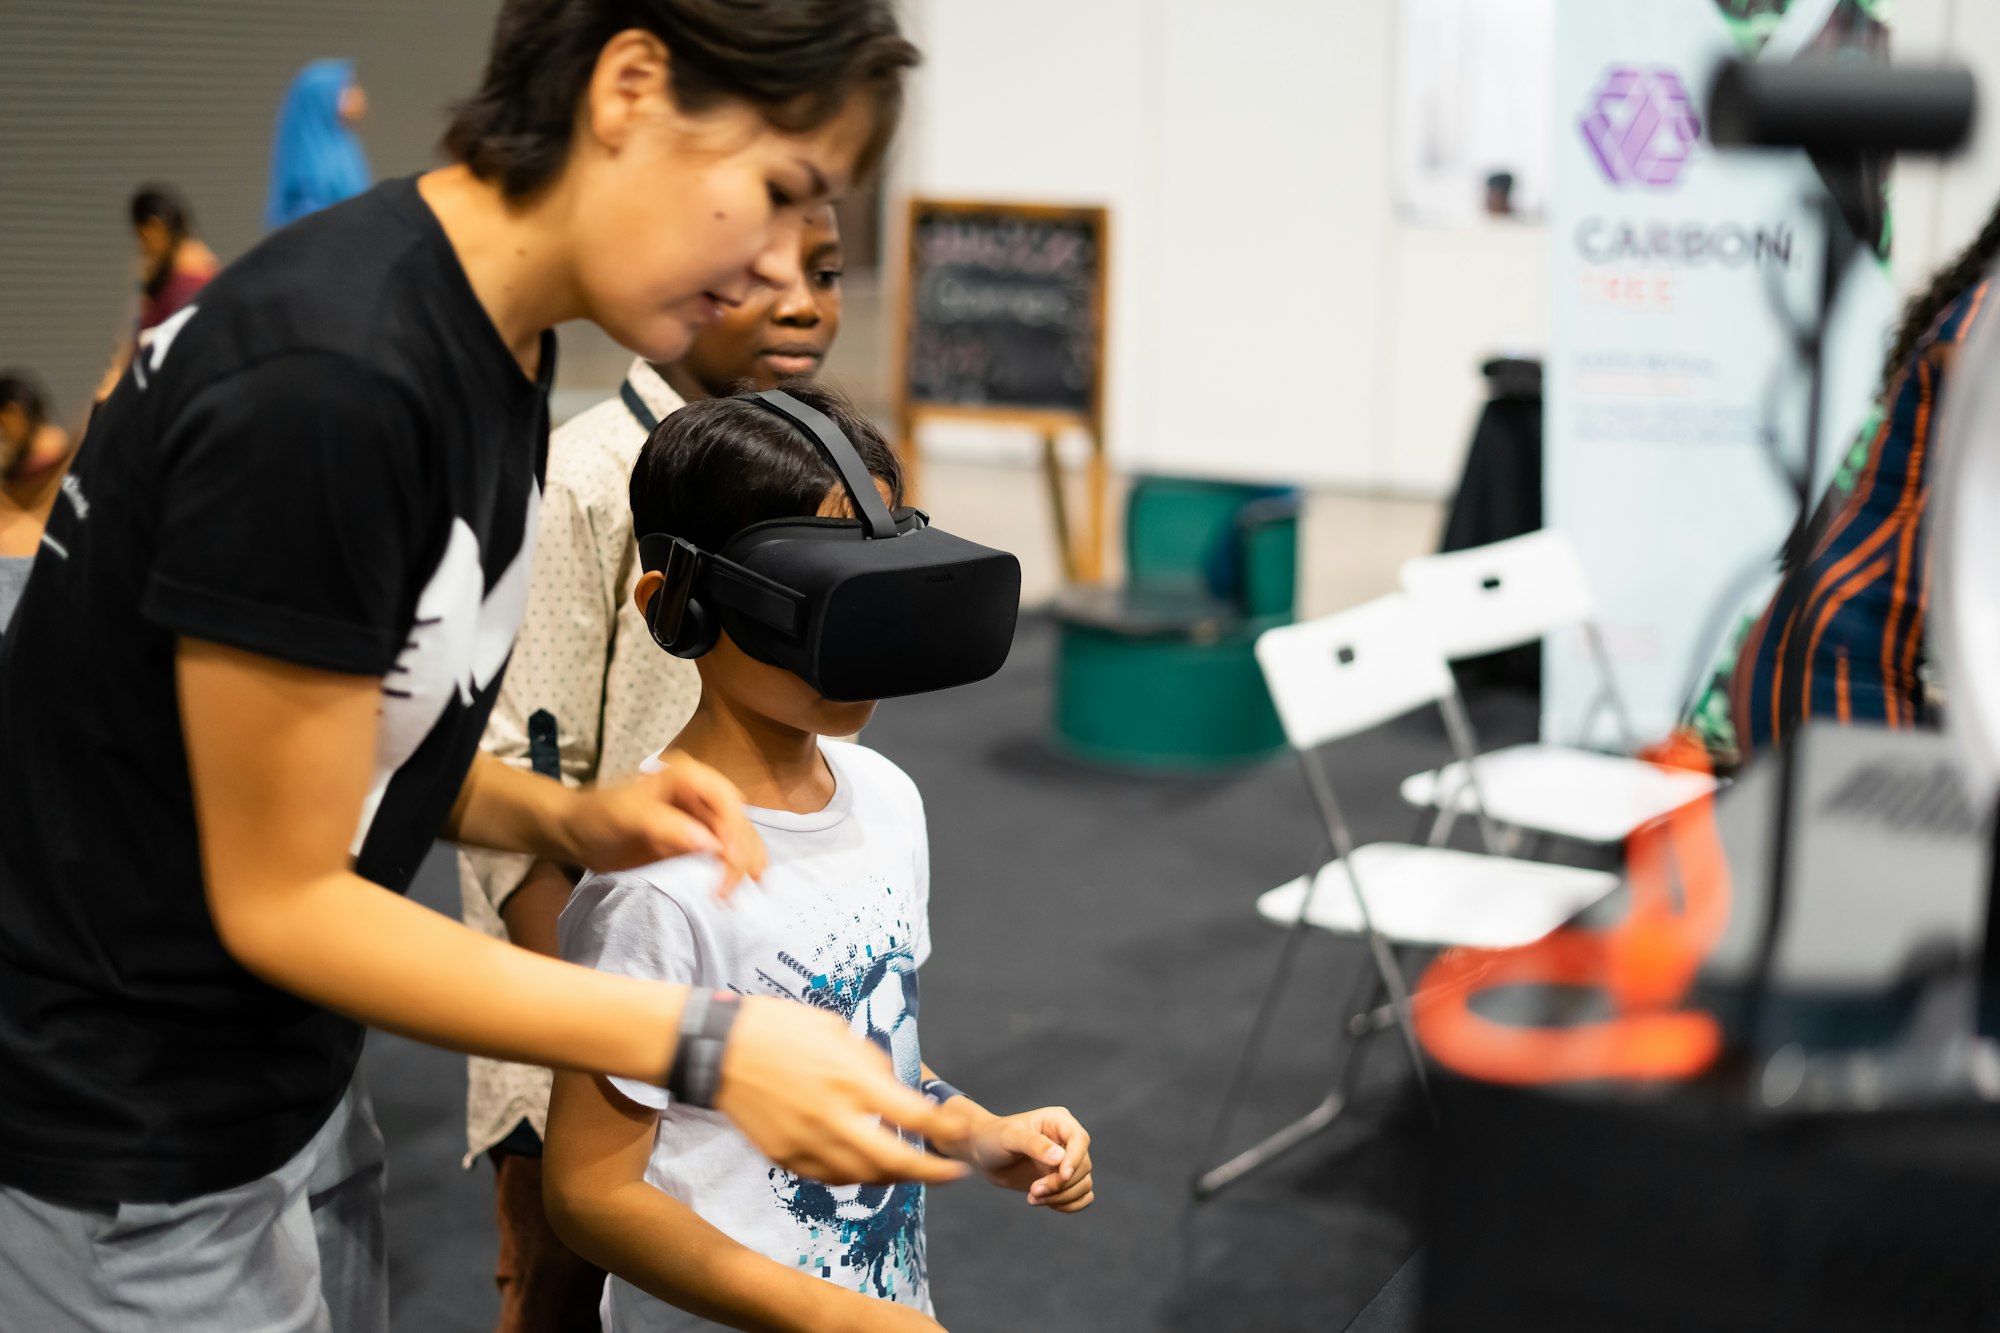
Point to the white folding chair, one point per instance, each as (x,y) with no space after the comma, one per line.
(1331,679)
(1504,595)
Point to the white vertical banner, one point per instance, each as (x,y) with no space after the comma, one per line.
(1672,375)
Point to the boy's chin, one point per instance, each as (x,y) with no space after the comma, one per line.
(841,719)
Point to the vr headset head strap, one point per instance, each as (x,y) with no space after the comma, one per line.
(694,574)
(840,452)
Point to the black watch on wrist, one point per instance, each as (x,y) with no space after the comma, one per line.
(696,1076)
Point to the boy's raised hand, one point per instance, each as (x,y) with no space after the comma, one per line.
(811,1096)
(1044,1154)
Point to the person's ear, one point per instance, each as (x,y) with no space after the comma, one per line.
(650,583)
(836,503)
(628,85)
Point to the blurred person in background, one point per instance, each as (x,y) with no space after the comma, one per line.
(585,658)
(174,264)
(245,686)
(1844,638)
(33,450)
(317,159)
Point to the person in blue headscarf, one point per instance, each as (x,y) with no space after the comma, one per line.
(317,159)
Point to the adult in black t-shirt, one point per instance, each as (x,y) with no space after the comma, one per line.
(244,689)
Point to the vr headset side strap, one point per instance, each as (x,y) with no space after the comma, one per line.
(840,452)
(693,572)
(745,590)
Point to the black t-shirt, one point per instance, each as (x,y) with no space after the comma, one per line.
(331,458)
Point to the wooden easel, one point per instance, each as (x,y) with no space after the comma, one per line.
(1081,543)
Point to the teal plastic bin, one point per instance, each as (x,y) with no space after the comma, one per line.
(1160,674)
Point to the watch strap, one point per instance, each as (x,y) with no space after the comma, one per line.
(706,1019)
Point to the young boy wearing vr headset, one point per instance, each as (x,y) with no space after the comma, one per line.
(588,696)
(778,557)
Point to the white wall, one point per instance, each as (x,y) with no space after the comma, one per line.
(1256,317)
(1939,208)
(1459,296)
(1001,112)
(1268,241)
(1271,316)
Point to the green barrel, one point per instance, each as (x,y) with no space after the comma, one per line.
(1161,674)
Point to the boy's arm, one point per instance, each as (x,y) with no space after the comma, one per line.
(280,758)
(598,1201)
(1044,1153)
(531,911)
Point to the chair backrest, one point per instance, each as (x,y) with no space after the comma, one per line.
(1342,674)
(1487,598)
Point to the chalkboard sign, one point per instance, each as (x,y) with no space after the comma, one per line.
(1004,308)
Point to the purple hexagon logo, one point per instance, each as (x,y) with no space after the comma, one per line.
(1642,126)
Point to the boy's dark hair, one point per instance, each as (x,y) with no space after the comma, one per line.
(796,61)
(717,466)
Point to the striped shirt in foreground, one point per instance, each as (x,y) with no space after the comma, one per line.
(1843,635)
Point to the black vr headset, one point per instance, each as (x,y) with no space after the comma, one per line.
(859,608)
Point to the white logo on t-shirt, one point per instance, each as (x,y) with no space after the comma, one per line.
(158,340)
(457,644)
(72,490)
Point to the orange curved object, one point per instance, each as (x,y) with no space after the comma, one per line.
(1646,964)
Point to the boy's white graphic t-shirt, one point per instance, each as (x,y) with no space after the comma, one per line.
(840,922)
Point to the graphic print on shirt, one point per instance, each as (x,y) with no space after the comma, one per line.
(156,342)
(866,972)
(457,645)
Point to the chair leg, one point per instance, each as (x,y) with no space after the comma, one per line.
(1208,1183)
(1212,1182)
(1379,1019)
(1245,1063)
(1389,969)
(1383,1016)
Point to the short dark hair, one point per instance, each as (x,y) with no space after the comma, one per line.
(717,466)
(796,61)
(163,204)
(20,389)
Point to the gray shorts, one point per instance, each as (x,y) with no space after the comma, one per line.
(300,1250)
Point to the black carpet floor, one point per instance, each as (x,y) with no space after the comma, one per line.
(1095,945)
